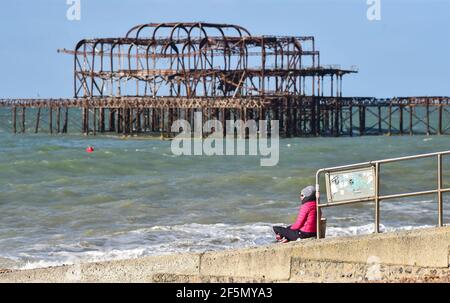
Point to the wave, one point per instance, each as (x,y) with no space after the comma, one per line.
(168,239)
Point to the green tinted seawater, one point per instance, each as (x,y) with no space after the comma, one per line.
(133,197)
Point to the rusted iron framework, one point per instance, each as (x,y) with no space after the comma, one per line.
(200,60)
(159,72)
(175,64)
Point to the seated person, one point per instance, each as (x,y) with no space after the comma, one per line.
(305,225)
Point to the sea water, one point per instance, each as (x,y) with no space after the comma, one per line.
(133,197)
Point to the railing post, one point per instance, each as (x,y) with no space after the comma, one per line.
(318,229)
(379,197)
(439,179)
(377,200)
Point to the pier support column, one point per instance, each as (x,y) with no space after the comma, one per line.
(411,132)
(390,118)
(161,122)
(38,119)
(14,118)
(280,111)
(119,120)
(350,109)
(66,120)
(295,120)
(288,123)
(300,118)
(336,119)
(170,121)
(112,120)
(440,118)
(318,114)
(58,120)
(124,120)
(150,119)
(243,117)
(146,119)
(139,113)
(50,119)
(153,122)
(85,120)
(362,120)
(23,119)
(131,126)
(223,121)
(380,131)
(400,108)
(95,121)
(312,115)
(102,120)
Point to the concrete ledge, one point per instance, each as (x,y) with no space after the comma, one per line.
(271,262)
(136,270)
(335,259)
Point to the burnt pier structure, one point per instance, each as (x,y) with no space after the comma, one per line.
(160,72)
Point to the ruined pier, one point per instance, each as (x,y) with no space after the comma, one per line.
(160,72)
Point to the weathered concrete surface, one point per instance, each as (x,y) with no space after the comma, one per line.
(409,254)
(176,278)
(136,270)
(270,262)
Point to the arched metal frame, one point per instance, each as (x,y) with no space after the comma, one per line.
(208,64)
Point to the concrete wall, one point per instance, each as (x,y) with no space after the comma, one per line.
(421,248)
(383,256)
(304,270)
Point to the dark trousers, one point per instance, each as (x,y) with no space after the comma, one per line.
(292,235)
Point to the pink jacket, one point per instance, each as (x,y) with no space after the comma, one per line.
(306,219)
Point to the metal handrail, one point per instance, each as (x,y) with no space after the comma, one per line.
(378,198)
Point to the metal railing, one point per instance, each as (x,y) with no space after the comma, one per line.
(377,198)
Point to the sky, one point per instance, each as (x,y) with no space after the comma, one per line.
(405,53)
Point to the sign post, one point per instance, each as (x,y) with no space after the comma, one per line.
(354,184)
